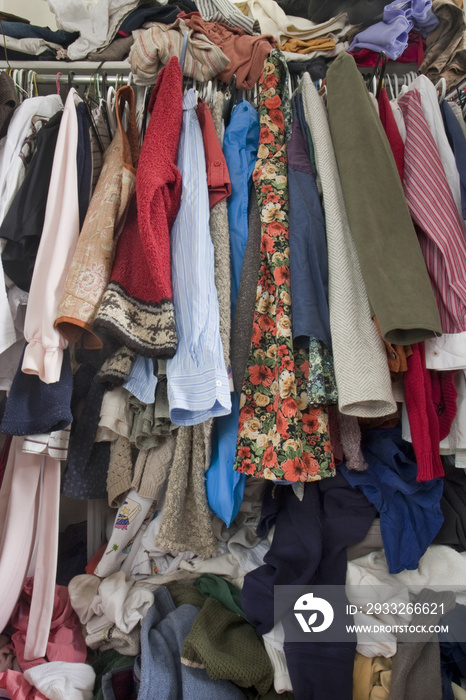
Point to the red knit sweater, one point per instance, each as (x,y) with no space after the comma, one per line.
(423,420)
(137,307)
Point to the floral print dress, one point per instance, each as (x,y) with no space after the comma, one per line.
(280,436)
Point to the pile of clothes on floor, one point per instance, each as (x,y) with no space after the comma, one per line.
(204,627)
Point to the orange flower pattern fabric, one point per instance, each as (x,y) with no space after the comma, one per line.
(280,436)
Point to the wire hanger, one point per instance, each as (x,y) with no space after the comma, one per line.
(184,47)
(111,107)
(441,88)
(32,84)
(18,79)
(388,80)
(380,64)
(230,97)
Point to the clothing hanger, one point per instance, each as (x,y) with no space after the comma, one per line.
(441,88)
(208,93)
(111,99)
(388,80)
(290,85)
(184,46)
(214,90)
(18,79)
(378,72)
(101,87)
(230,97)
(147,94)
(32,84)
(57,83)
(90,103)
(323,92)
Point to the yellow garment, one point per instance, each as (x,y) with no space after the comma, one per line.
(242,7)
(458,692)
(322,43)
(371,677)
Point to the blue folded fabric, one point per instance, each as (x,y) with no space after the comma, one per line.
(225,486)
(19,30)
(163,632)
(391,34)
(164,14)
(410,512)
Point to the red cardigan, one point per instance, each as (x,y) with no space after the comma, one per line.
(137,307)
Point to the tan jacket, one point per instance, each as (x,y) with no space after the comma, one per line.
(92,262)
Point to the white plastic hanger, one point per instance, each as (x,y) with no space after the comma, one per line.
(390,87)
(15,76)
(111,108)
(441,88)
(31,83)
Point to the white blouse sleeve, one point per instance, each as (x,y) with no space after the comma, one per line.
(44,352)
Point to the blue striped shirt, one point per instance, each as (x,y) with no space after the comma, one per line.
(141,381)
(198,387)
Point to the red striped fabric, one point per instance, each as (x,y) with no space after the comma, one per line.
(432,207)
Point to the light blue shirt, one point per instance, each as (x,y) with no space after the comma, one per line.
(198,387)
(141,381)
(240,150)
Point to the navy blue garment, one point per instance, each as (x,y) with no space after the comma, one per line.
(34,407)
(410,511)
(86,471)
(308,247)
(19,30)
(186,5)
(84,162)
(298,107)
(316,67)
(309,547)
(24,220)
(457,141)
(165,14)
(10,55)
(452,644)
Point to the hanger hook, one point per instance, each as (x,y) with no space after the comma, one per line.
(382,62)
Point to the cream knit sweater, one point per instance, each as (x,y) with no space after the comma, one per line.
(361,369)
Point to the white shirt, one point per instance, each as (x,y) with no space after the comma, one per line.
(448,353)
